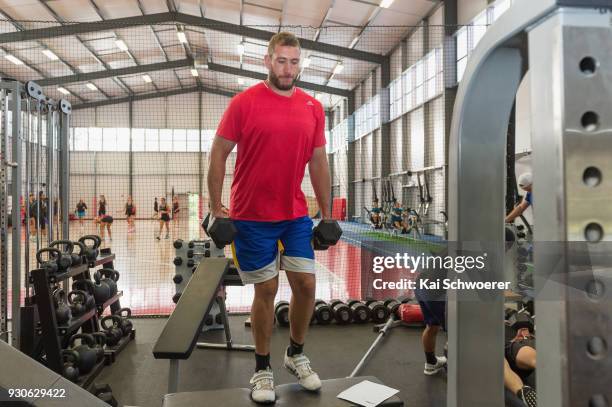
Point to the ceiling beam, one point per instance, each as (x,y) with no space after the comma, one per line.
(111,73)
(153,95)
(182,63)
(262,76)
(126,22)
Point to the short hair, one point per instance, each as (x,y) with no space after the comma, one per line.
(283,38)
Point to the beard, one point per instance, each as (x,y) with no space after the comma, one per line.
(275,80)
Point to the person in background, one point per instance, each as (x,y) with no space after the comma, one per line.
(155,209)
(375,214)
(102,206)
(175,207)
(525,182)
(130,213)
(105,221)
(164,218)
(81,207)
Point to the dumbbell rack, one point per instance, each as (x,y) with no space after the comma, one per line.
(106,261)
(50,337)
(54,337)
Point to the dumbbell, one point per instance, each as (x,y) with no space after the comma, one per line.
(178,261)
(190,263)
(177,279)
(322,313)
(325,234)
(178,244)
(341,312)
(222,231)
(209,320)
(281,312)
(392,305)
(378,312)
(361,313)
(176,297)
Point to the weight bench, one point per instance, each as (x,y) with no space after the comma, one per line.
(26,373)
(179,338)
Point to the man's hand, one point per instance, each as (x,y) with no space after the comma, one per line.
(221,212)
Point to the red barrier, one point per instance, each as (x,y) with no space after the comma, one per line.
(339,209)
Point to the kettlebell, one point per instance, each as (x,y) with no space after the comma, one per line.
(77,300)
(87,287)
(62,310)
(86,351)
(78,258)
(110,278)
(100,339)
(113,332)
(70,370)
(51,264)
(91,250)
(126,325)
(65,259)
(101,290)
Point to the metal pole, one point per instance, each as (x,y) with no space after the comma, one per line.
(26,197)
(3,218)
(16,212)
(64,147)
(50,194)
(38,168)
(366,357)
(173,376)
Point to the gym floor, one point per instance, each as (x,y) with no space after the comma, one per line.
(137,379)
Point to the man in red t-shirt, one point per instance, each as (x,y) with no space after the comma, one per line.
(278,130)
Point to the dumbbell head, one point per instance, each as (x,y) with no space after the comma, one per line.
(378,311)
(522,267)
(191,244)
(178,261)
(209,320)
(189,253)
(178,244)
(342,313)
(322,313)
(328,232)
(281,312)
(176,297)
(392,305)
(190,263)
(177,279)
(361,313)
(222,231)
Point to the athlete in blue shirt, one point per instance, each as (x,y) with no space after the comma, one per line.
(525,181)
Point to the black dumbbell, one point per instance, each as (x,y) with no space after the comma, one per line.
(209,320)
(392,305)
(207,253)
(322,313)
(378,312)
(178,244)
(177,279)
(178,261)
(361,313)
(341,312)
(65,259)
(521,267)
(281,312)
(191,245)
(190,263)
(189,253)
(325,234)
(207,245)
(222,231)
(176,297)
(218,319)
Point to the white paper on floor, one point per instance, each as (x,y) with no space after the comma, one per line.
(367,393)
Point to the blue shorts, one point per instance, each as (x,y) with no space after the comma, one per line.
(434,313)
(395,218)
(261,249)
(81,214)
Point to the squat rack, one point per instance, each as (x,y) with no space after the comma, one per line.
(18,103)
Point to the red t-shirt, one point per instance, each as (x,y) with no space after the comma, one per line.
(276,136)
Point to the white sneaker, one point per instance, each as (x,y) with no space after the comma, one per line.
(299,366)
(433,369)
(262,387)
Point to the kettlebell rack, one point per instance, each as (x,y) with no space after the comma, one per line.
(53,337)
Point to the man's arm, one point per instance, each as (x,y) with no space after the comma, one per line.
(221,148)
(517,211)
(321,181)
